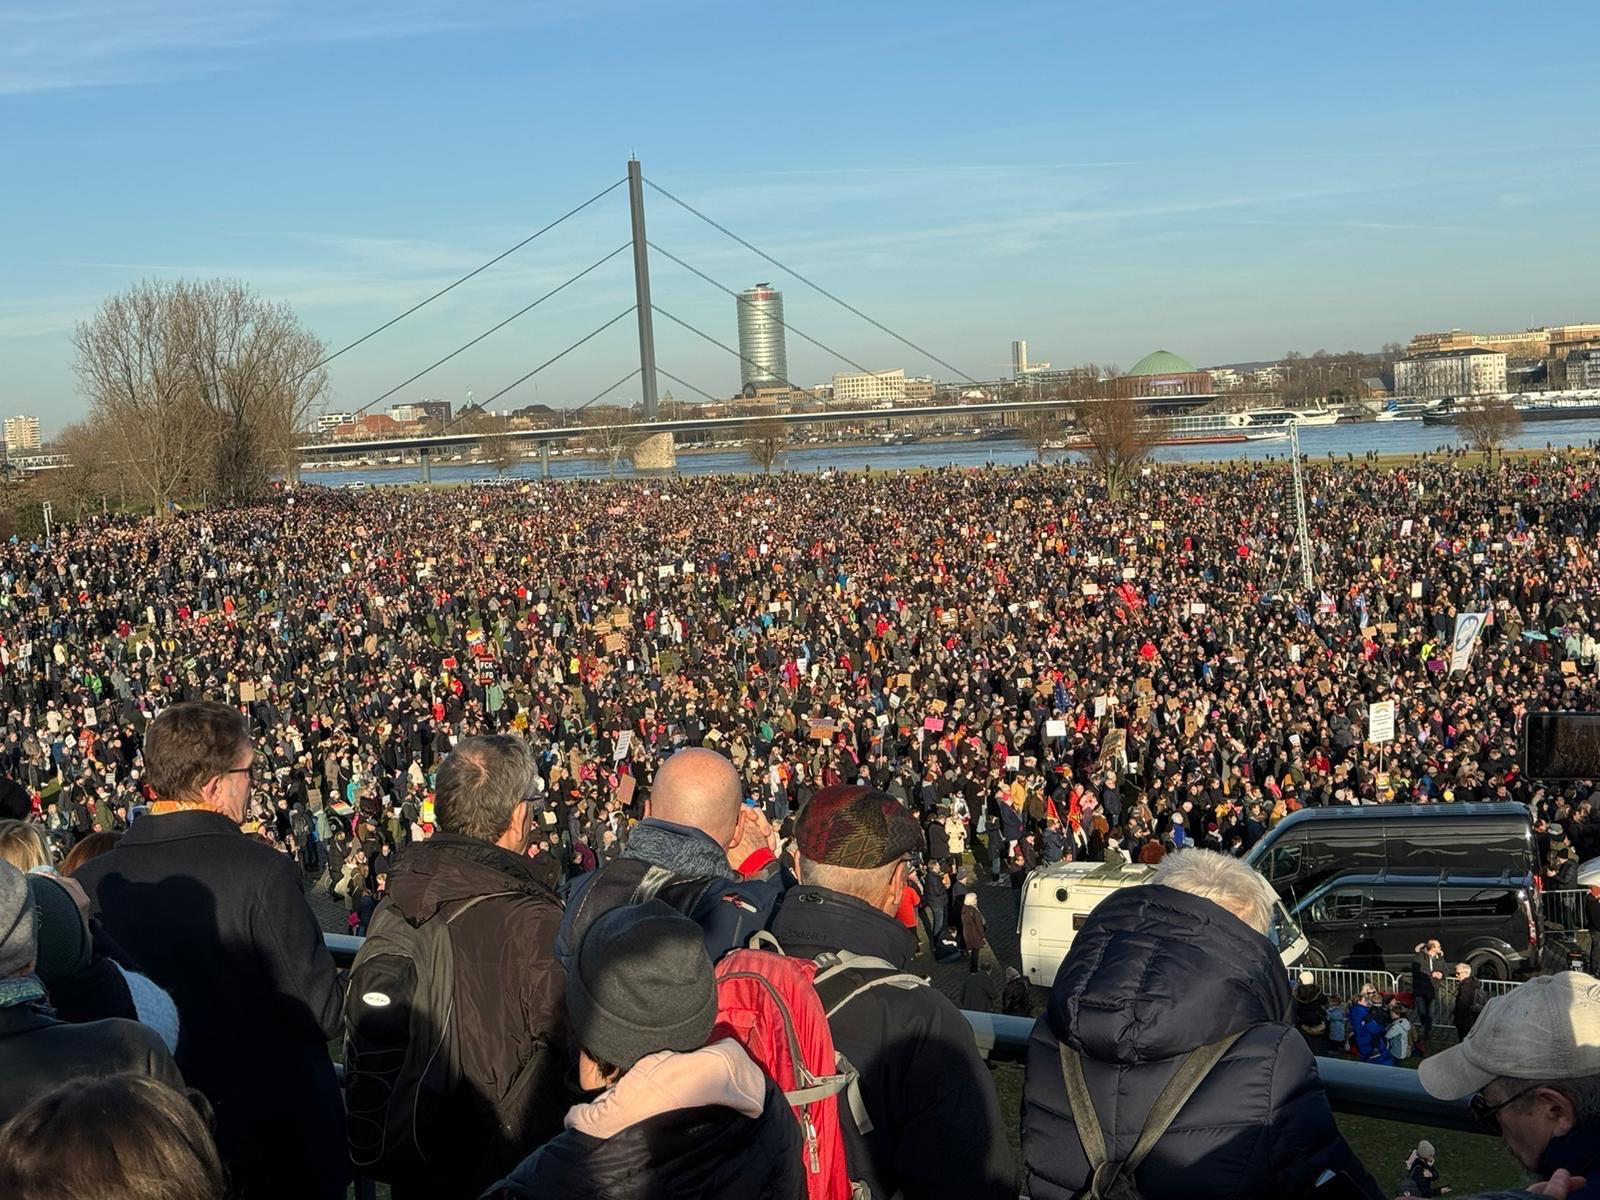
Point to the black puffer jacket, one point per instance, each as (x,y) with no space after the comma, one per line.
(705,1151)
(1154,974)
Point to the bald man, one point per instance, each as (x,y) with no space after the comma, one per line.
(700,848)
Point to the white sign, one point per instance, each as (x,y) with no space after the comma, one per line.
(1468,627)
(1055,729)
(1380,722)
(624,741)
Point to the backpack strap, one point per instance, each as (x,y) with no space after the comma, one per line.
(1105,1174)
(842,976)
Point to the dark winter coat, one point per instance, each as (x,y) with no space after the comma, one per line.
(1311,1016)
(38,1052)
(937,1129)
(1154,974)
(706,1151)
(219,920)
(972,927)
(509,1013)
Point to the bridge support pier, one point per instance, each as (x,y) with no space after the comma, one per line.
(544,459)
(658,452)
(427,467)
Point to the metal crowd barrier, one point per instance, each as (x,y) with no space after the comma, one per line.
(1362,1089)
(1563,908)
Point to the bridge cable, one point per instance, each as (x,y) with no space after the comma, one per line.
(596,332)
(687,207)
(700,333)
(475,271)
(740,298)
(492,329)
(691,387)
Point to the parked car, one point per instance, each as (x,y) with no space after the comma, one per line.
(1375,921)
(1310,847)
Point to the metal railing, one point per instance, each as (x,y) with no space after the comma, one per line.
(1563,908)
(1363,1089)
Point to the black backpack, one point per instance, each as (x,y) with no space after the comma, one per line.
(399,1038)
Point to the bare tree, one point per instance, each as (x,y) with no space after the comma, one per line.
(610,440)
(1488,423)
(257,371)
(765,440)
(135,365)
(1119,439)
(1043,431)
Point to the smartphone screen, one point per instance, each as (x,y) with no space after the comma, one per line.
(1561,745)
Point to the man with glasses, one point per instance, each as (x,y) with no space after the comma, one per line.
(1531,1066)
(219,920)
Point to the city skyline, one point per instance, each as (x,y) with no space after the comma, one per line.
(1093,187)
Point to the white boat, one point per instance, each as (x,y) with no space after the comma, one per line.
(1282,418)
(1407,410)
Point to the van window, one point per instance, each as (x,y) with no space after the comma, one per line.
(1337,906)
(1489,902)
(1406,904)
(1284,862)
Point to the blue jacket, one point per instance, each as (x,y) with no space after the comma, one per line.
(728,912)
(1154,974)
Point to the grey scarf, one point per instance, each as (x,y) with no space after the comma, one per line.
(687,853)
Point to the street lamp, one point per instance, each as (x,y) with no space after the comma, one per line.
(48,508)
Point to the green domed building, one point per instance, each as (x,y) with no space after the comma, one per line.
(1162,373)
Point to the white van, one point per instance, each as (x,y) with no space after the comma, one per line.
(1057,900)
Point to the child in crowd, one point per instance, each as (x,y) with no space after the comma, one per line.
(1398,1035)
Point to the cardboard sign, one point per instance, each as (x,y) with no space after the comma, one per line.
(823,731)
(1158,526)
(902,680)
(616,643)
(247,692)
(1569,668)
(625,787)
(1389,628)
(1091,589)
(1144,686)
(937,705)
(1416,590)
(1324,687)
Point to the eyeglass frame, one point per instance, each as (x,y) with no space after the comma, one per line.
(253,770)
(1487,1116)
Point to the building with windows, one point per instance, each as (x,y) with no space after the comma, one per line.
(327,422)
(763,353)
(22,433)
(1583,369)
(1435,374)
(1161,373)
(863,389)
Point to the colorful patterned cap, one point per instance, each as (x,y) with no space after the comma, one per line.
(856,827)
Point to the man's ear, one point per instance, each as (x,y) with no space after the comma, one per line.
(1562,1115)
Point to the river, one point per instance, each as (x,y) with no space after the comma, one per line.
(1386,437)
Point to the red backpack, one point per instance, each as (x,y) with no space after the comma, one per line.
(768,1002)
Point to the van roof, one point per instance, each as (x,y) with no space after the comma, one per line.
(1103,874)
(1469,810)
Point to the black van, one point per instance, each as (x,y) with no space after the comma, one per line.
(1315,845)
(1374,922)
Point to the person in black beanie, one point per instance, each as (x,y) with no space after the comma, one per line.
(670,1115)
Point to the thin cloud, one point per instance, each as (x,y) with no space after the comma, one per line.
(156,41)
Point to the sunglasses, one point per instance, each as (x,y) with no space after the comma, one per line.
(1488,1115)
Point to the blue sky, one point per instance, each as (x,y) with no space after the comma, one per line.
(1226,180)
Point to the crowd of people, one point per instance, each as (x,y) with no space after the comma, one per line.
(527,709)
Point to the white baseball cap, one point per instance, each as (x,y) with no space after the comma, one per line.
(1547,1028)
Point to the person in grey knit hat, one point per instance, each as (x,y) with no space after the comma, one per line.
(640,983)
(669,1114)
(37,1049)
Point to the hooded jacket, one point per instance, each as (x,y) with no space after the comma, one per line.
(1154,974)
(705,1123)
(510,1014)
